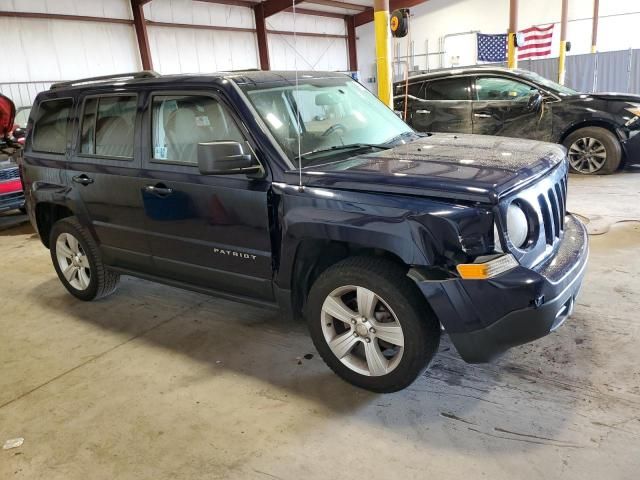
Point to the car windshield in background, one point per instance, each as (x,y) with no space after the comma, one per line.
(336,115)
(551,85)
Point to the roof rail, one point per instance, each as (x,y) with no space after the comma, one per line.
(106,78)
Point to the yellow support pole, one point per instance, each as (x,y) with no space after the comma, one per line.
(512,58)
(383,48)
(594,28)
(512,51)
(563,42)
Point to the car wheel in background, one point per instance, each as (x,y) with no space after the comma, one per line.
(593,151)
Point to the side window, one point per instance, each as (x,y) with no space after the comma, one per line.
(416,89)
(180,122)
(449,89)
(496,88)
(50,126)
(108,125)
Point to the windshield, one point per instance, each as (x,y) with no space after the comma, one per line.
(336,114)
(553,86)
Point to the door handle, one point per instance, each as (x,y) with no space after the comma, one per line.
(423,112)
(83,179)
(482,115)
(159,189)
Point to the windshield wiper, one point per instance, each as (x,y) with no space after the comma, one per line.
(338,148)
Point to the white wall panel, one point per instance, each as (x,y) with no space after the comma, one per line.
(92,8)
(199,13)
(307,53)
(186,50)
(61,50)
(306,23)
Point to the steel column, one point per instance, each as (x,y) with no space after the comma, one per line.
(383,47)
(141,32)
(351,43)
(594,28)
(563,42)
(512,57)
(261,36)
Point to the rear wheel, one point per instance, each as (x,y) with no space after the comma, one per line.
(593,151)
(371,325)
(78,262)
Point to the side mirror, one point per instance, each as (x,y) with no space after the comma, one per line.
(225,158)
(535,101)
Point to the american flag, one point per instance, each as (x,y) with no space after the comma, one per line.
(492,48)
(537,42)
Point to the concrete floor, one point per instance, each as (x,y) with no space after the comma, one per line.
(159,383)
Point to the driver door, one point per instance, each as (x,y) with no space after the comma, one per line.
(506,107)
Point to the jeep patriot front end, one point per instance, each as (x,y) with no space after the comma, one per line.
(312,197)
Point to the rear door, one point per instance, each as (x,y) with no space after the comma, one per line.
(105,175)
(210,231)
(443,105)
(501,106)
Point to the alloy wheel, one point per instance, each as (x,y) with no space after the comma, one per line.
(587,155)
(73,261)
(362,330)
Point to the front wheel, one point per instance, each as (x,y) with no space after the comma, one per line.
(593,151)
(371,325)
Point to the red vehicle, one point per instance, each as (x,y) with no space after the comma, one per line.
(11,194)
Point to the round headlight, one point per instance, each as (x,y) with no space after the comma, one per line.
(517,225)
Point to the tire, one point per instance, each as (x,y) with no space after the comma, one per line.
(585,148)
(396,302)
(97,281)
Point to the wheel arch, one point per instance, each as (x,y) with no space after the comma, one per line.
(589,123)
(46,215)
(314,256)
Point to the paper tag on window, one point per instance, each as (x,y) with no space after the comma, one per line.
(160,153)
(203,121)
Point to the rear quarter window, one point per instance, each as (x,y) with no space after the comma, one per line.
(108,125)
(50,126)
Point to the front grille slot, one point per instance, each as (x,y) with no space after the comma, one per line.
(546,219)
(553,208)
(9,174)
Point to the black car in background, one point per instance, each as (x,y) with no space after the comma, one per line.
(600,130)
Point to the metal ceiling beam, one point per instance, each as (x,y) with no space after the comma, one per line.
(365,17)
(339,4)
(140,26)
(317,13)
(271,7)
(261,36)
(235,3)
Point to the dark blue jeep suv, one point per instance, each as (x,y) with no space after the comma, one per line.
(305,193)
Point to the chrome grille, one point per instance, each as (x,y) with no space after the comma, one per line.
(9,173)
(547,199)
(552,204)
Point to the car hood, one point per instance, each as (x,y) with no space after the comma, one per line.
(615,97)
(465,167)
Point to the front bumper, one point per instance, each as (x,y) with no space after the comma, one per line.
(484,318)
(630,141)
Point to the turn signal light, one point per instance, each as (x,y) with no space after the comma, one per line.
(484,270)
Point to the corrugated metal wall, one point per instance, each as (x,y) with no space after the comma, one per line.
(193,50)
(308,53)
(599,72)
(47,50)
